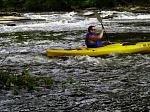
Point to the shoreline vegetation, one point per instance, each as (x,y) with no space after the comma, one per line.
(26,81)
(16,7)
(130,8)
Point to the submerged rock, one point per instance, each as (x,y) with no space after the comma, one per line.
(11,24)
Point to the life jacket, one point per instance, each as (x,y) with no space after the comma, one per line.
(93,44)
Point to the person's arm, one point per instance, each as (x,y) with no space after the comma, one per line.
(100,36)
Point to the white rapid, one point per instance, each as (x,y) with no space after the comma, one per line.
(70,21)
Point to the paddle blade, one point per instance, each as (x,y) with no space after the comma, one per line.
(100,20)
(98,17)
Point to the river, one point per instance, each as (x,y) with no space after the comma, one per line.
(115,83)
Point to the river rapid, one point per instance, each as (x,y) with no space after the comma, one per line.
(114,83)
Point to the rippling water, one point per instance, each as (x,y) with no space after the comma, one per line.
(112,83)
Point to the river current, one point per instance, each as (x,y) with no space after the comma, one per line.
(114,83)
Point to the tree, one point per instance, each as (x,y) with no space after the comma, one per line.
(1,3)
(33,5)
(105,3)
(54,5)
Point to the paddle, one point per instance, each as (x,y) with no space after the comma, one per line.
(100,20)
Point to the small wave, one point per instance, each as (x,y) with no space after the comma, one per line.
(129,15)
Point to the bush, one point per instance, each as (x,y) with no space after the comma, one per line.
(65,5)
(23,81)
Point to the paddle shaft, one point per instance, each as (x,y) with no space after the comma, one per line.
(100,20)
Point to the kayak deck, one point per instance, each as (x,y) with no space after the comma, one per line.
(117,48)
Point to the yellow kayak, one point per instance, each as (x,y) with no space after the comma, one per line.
(117,48)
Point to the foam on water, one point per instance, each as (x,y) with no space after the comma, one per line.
(129,15)
(51,26)
(71,21)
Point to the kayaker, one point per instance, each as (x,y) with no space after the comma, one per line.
(93,39)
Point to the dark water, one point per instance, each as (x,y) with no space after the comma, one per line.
(113,83)
(116,83)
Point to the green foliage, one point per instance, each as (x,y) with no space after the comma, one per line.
(50,5)
(12,3)
(105,3)
(23,81)
(1,3)
(79,3)
(90,3)
(33,5)
(54,5)
(5,79)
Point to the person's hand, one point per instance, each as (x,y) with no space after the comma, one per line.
(103,29)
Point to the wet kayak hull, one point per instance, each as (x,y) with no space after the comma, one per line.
(117,48)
